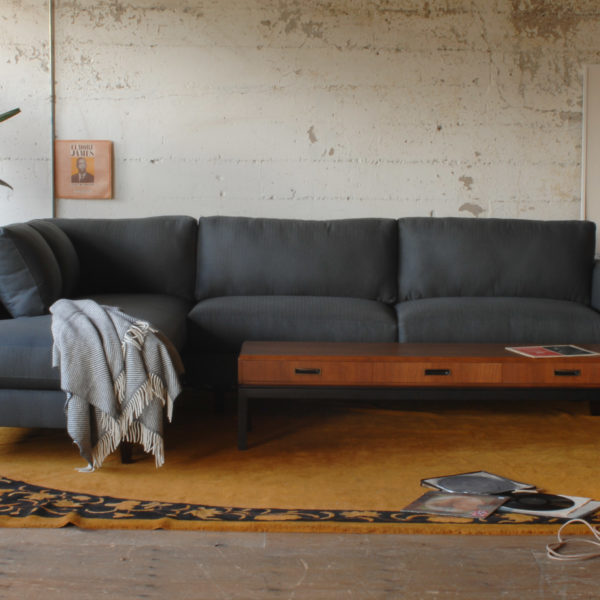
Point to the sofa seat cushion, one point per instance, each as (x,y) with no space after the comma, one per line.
(497,320)
(167,313)
(223,323)
(26,342)
(26,354)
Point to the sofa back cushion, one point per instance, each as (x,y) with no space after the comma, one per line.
(154,255)
(495,257)
(30,277)
(63,250)
(239,256)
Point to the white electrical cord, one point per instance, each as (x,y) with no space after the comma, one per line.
(553,550)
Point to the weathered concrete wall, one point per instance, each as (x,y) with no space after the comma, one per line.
(307,108)
(25,140)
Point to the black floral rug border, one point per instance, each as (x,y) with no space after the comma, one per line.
(19,500)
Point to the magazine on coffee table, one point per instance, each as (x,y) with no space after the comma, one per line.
(566,350)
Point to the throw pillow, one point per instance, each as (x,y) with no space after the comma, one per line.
(30,278)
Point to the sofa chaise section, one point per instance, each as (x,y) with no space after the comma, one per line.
(146,267)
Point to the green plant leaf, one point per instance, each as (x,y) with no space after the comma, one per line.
(9,114)
(6,184)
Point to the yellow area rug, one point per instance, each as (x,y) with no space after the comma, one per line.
(311,466)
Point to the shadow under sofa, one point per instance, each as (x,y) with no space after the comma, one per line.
(212,283)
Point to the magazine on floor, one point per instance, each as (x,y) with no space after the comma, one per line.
(474,506)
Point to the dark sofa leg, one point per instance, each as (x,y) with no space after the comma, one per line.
(126,453)
(595,408)
(242,420)
(219,397)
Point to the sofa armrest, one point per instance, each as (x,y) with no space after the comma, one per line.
(595,302)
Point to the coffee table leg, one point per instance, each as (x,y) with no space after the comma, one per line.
(595,407)
(242,420)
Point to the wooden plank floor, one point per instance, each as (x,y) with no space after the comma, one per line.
(76,564)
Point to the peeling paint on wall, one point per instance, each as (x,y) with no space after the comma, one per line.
(550,19)
(291,20)
(35,54)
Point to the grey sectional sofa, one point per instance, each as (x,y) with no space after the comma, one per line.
(213,283)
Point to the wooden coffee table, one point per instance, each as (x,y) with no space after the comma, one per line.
(366,370)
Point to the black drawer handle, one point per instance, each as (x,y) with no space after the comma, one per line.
(438,372)
(567,372)
(307,371)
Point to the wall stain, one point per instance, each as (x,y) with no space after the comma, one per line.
(529,61)
(467,181)
(474,209)
(549,19)
(312,29)
(311,134)
(33,54)
(570,117)
(420,10)
(103,14)
(290,18)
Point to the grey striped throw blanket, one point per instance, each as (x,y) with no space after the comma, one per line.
(119,374)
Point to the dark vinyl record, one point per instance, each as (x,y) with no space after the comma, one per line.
(537,501)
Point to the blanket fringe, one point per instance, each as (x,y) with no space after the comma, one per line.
(109,440)
(152,388)
(126,427)
(120,385)
(150,440)
(136,335)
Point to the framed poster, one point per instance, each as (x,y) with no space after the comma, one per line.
(83,169)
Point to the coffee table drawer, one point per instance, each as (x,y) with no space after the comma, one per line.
(441,374)
(305,372)
(552,374)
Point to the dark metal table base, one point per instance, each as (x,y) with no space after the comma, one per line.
(245,393)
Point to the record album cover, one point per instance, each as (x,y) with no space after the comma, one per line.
(83,169)
(474,506)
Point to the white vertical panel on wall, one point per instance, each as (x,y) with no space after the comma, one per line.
(591,147)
